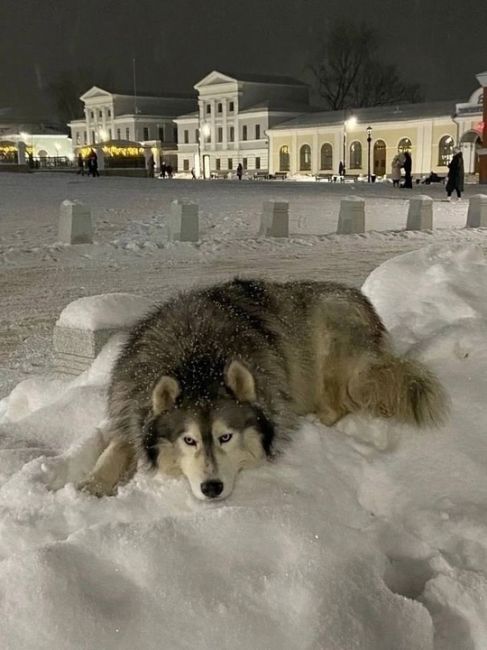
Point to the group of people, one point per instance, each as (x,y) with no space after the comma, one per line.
(456,173)
(402,161)
(165,169)
(88,164)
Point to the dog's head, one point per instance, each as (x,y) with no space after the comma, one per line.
(208,438)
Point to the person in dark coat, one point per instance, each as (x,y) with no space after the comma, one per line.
(93,164)
(341,169)
(239,171)
(456,174)
(408,166)
(81,165)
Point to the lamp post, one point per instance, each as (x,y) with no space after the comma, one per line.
(369,140)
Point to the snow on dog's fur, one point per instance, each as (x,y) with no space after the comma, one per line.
(212,382)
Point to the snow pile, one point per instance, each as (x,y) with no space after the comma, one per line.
(110,311)
(337,545)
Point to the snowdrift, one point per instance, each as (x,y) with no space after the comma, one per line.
(367,535)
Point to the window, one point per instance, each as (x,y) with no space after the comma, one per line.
(218,164)
(161,133)
(445,150)
(119,134)
(257,163)
(186,165)
(231,107)
(232,134)
(77,137)
(230,163)
(244,133)
(326,158)
(404,145)
(305,158)
(355,155)
(220,107)
(92,137)
(127,133)
(146,133)
(220,134)
(186,136)
(109,112)
(109,134)
(85,137)
(100,113)
(284,160)
(257,131)
(208,109)
(244,163)
(92,115)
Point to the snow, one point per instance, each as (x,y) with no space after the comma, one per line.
(367,535)
(115,310)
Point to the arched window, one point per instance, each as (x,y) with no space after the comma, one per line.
(305,158)
(445,150)
(284,159)
(380,152)
(326,156)
(356,155)
(404,145)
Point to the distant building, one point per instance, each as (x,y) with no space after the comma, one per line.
(123,117)
(234,113)
(316,142)
(42,139)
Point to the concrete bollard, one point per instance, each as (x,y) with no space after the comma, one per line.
(184,221)
(275,219)
(477,211)
(351,219)
(75,225)
(87,324)
(420,213)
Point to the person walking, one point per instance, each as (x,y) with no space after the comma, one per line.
(239,171)
(456,174)
(397,163)
(408,166)
(341,169)
(81,165)
(93,164)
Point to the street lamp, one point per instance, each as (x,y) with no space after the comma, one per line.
(347,124)
(369,140)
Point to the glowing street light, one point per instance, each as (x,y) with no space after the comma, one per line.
(203,135)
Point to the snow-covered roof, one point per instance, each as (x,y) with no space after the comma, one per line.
(394,113)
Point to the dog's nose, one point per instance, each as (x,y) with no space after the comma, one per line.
(212,489)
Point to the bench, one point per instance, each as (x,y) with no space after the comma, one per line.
(219,174)
(323,176)
(281,175)
(260,174)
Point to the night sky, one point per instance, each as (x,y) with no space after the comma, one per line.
(438,43)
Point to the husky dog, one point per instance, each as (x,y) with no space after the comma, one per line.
(214,380)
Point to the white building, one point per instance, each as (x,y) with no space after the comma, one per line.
(146,120)
(234,113)
(42,139)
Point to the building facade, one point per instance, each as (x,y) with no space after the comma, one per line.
(233,117)
(316,143)
(122,117)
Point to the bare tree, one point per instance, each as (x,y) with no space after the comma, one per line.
(349,73)
(66,90)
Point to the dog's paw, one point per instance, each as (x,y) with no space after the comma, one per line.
(96,486)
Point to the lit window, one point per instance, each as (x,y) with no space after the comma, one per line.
(404,145)
(355,155)
(305,158)
(445,150)
(284,159)
(326,159)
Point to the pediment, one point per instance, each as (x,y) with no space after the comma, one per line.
(214,78)
(95,91)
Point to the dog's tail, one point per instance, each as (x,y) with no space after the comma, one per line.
(400,388)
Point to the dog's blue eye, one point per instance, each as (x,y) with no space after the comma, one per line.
(190,441)
(225,437)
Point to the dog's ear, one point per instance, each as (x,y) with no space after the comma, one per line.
(240,381)
(164,394)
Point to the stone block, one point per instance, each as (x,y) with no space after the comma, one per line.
(184,221)
(351,219)
(477,211)
(75,225)
(420,213)
(275,219)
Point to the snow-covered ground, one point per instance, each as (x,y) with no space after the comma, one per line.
(366,535)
